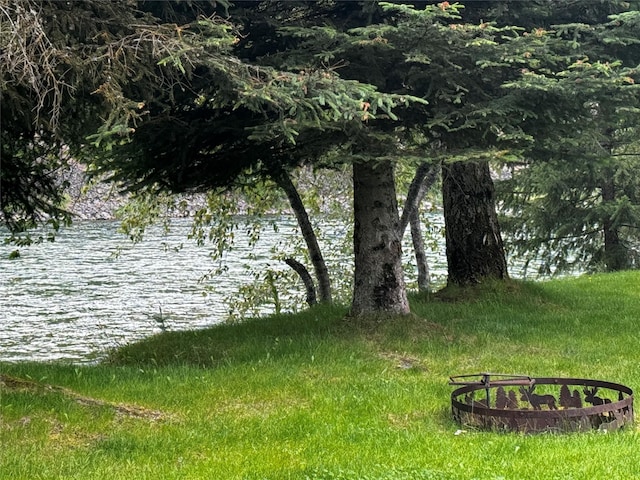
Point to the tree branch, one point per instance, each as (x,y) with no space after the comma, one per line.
(283,180)
(301,270)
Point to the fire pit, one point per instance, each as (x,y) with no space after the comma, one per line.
(524,404)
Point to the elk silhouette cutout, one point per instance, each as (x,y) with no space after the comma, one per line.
(536,400)
(590,396)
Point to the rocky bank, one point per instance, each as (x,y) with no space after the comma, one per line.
(91,200)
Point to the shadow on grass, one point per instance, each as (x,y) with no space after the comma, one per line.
(277,336)
(511,312)
(489,289)
(237,342)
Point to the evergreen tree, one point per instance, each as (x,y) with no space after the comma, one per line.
(206,139)
(63,71)
(455,65)
(576,199)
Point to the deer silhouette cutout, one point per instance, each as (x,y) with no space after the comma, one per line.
(536,400)
(590,396)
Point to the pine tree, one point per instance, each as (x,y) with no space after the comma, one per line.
(64,68)
(575,196)
(212,136)
(501,398)
(432,53)
(566,400)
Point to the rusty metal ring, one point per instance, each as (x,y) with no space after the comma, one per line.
(510,403)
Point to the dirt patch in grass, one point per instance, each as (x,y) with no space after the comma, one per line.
(404,361)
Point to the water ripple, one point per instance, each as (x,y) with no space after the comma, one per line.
(73,298)
(90,290)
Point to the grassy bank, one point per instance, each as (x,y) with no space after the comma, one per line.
(315,396)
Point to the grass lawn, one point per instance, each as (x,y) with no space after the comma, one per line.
(318,396)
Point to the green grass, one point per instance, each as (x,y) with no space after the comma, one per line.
(318,396)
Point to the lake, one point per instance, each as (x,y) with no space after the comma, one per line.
(93,289)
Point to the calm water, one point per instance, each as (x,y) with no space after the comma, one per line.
(92,289)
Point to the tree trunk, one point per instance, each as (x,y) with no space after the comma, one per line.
(378,277)
(424,282)
(615,253)
(474,244)
(320,267)
(422,181)
(305,276)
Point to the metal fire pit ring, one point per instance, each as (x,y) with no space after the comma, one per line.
(547,404)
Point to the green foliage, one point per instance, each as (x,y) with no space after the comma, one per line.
(573,202)
(324,193)
(457,67)
(31,188)
(175,98)
(143,210)
(68,71)
(218,217)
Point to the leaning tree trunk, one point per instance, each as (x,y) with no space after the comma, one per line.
(309,286)
(423,180)
(315,253)
(474,244)
(378,277)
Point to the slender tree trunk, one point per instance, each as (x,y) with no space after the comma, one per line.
(378,277)
(474,244)
(320,267)
(424,282)
(423,180)
(616,256)
(302,271)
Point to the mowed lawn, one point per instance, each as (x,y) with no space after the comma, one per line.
(320,396)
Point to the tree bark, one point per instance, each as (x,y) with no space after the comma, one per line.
(474,244)
(317,260)
(422,181)
(378,277)
(424,282)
